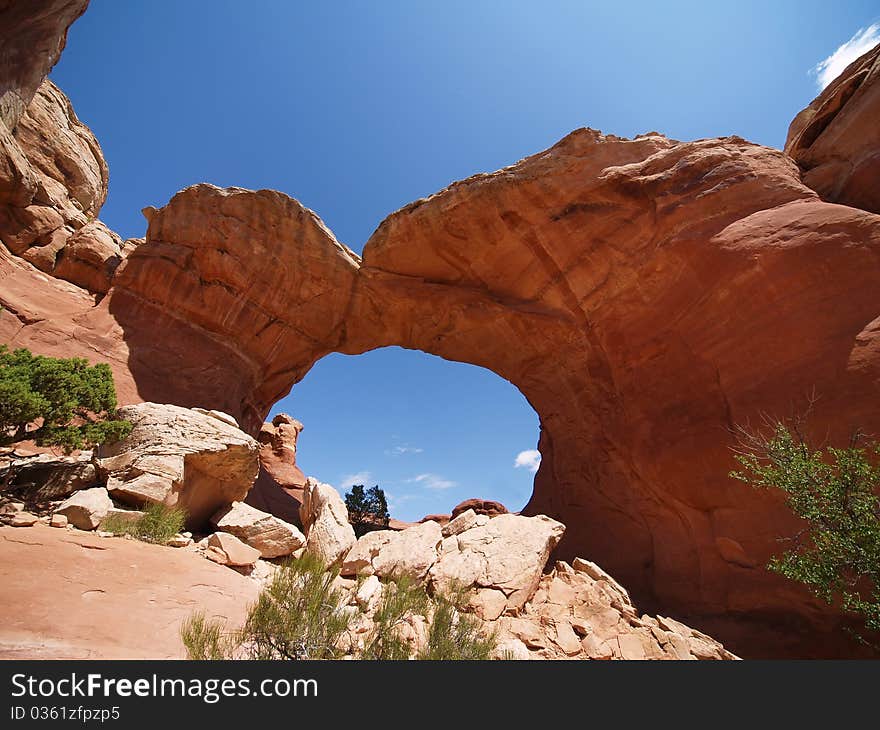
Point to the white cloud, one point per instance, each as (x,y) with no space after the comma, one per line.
(401,450)
(829,69)
(360,477)
(396,500)
(530,460)
(433,481)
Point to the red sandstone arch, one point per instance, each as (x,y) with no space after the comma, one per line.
(644,295)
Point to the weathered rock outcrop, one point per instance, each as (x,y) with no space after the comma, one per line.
(329,536)
(836,139)
(57,185)
(502,560)
(497,561)
(280,483)
(487,507)
(197,461)
(34,34)
(645,295)
(584,614)
(271,536)
(40,478)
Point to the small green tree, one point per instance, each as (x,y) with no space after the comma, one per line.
(837,553)
(367,509)
(57,401)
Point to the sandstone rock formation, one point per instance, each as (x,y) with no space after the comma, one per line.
(395,554)
(280,483)
(39,478)
(487,507)
(227,549)
(574,615)
(329,536)
(645,295)
(271,536)
(836,139)
(84,597)
(502,560)
(498,561)
(87,508)
(180,457)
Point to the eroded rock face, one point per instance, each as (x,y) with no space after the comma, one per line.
(836,139)
(574,615)
(486,507)
(280,483)
(34,34)
(271,536)
(502,560)
(56,179)
(329,536)
(180,457)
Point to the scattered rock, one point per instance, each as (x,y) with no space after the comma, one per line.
(329,536)
(359,560)
(23,519)
(10,508)
(464,521)
(86,508)
(58,521)
(368,593)
(271,536)
(227,549)
(179,541)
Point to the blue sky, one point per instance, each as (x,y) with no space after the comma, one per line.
(356,108)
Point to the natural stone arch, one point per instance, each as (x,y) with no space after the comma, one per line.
(644,295)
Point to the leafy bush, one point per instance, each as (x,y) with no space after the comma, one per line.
(57,402)
(204,638)
(367,509)
(158,524)
(400,599)
(298,615)
(453,635)
(837,554)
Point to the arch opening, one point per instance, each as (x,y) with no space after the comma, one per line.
(430,432)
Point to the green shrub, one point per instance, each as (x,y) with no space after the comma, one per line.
(400,599)
(296,616)
(453,635)
(73,402)
(204,638)
(834,492)
(300,615)
(158,524)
